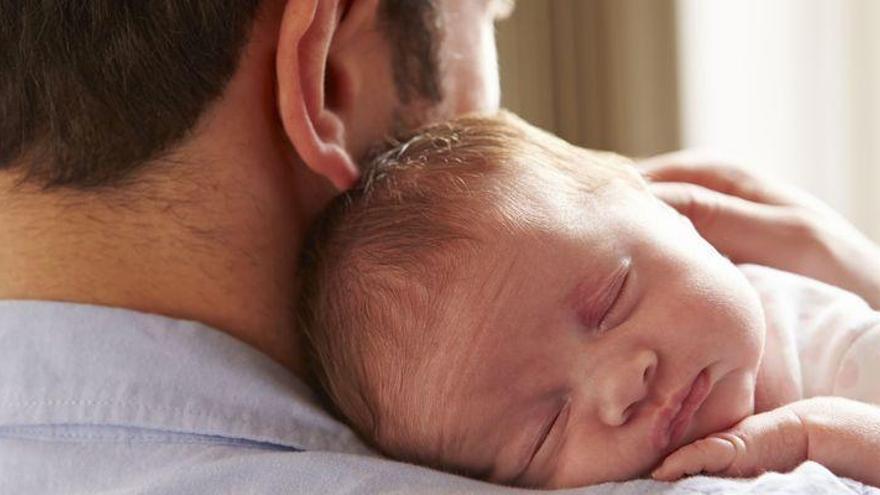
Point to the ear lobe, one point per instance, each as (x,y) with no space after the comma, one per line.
(316,132)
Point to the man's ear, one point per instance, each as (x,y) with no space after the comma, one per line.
(313,126)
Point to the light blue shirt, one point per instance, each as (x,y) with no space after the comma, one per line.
(102,400)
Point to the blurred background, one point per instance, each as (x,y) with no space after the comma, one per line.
(790,88)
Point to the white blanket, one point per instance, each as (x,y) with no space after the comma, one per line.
(809,477)
(366,474)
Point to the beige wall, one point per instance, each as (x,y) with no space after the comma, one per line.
(600,73)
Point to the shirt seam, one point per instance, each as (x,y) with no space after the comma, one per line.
(169,440)
(246,419)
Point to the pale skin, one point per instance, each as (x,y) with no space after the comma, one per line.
(723,201)
(841,434)
(567,372)
(217,240)
(756,220)
(577,361)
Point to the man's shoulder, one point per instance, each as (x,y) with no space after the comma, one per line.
(103,388)
(187,469)
(79,463)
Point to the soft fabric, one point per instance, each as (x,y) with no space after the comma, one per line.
(836,333)
(100,400)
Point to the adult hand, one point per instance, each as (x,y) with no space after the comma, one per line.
(757,220)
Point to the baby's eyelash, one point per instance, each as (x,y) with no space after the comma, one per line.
(593,303)
(545,432)
(615,304)
(549,430)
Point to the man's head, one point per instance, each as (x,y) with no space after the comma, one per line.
(91,92)
(203,136)
(494,301)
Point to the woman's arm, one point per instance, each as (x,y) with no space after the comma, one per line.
(756,220)
(841,434)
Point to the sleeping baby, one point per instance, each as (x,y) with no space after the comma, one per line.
(495,302)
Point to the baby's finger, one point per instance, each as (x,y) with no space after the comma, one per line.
(709,455)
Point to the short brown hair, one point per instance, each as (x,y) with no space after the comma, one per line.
(92,90)
(383,260)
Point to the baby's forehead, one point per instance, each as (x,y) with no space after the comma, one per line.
(492,287)
(533,195)
(560,167)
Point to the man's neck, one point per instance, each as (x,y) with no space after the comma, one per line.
(212,234)
(214,253)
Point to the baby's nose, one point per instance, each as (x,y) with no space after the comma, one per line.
(627,386)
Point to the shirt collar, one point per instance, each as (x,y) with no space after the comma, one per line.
(66,363)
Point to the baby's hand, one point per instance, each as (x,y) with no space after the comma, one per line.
(842,434)
(772,441)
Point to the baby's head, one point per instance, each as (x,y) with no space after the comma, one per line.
(493,301)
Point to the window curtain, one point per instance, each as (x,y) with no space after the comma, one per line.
(790,88)
(600,73)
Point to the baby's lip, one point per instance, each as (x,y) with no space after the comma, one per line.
(673,419)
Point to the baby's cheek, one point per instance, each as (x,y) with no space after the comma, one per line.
(731,401)
(733,309)
(751,330)
(622,458)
